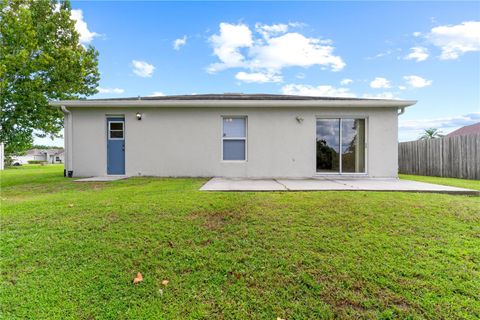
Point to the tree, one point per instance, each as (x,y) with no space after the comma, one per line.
(41,59)
(430,133)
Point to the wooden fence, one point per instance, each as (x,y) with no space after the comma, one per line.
(454,157)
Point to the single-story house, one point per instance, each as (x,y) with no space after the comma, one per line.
(232,135)
(53,155)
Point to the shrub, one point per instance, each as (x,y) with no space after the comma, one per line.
(36,161)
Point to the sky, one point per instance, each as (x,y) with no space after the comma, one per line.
(424,51)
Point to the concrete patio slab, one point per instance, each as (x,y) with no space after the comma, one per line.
(101,179)
(313,184)
(221,184)
(404,185)
(326,184)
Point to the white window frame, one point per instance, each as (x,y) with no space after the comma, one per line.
(234,138)
(365,118)
(110,130)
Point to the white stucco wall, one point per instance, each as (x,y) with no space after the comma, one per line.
(187,141)
(2,157)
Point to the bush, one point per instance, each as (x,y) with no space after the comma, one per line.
(36,161)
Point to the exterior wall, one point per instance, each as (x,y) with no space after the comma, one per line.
(40,157)
(2,157)
(187,141)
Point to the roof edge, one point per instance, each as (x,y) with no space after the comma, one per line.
(235,103)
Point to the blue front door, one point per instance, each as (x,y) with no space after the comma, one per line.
(116,145)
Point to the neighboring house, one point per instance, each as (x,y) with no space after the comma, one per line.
(54,155)
(232,135)
(471,129)
(30,155)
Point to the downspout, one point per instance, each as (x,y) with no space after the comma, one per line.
(68,172)
(402,111)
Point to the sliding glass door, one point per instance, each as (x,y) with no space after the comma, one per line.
(341,145)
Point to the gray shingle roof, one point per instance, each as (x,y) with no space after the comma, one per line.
(233,96)
(259,100)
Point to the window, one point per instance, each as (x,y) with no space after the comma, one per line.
(341,145)
(115,130)
(234,139)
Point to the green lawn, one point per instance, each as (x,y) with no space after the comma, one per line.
(461,183)
(71,250)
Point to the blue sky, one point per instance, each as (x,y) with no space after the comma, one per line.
(426,51)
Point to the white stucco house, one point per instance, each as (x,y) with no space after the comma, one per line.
(2,157)
(232,135)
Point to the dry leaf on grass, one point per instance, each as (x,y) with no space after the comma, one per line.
(165,282)
(71,205)
(138,278)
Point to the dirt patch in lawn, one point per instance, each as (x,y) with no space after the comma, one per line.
(217,220)
(360,292)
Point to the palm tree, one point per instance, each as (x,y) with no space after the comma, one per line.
(431,133)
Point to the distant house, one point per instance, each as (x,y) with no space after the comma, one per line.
(55,155)
(471,129)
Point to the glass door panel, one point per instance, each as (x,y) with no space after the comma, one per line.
(341,145)
(353,145)
(328,145)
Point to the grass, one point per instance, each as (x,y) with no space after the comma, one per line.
(71,250)
(461,183)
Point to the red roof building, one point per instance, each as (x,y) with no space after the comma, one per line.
(471,129)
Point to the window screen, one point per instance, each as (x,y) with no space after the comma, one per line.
(234,138)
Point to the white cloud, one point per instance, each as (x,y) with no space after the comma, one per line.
(442,123)
(345,82)
(110,90)
(323,90)
(227,45)
(331,91)
(417,34)
(417,82)
(157,94)
(271,30)
(178,43)
(456,40)
(402,87)
(142,68)
(86,36)
(411,129)
(379,82)
(276,48)
(258,77)
(294,49)
(418,54)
